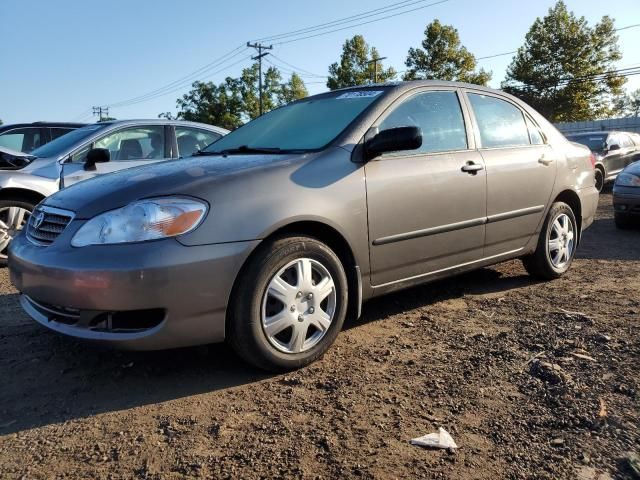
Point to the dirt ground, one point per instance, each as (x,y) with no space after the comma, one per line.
(526,388)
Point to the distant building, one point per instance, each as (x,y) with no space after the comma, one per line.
(631,124)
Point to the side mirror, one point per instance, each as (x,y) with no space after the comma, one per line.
(96,155)
(614,147)
(393,140)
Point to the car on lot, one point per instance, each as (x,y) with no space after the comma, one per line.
(26,137)
(85,153)
(271,235)
(626,197)
(613,151)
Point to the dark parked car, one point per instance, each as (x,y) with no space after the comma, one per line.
(271,234)
(626,197)
(613,151)
(26,137)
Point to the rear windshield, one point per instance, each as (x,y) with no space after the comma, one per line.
(309,124)
(596,143)
(65,142)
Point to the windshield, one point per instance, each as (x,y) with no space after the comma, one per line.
(66,141)
(596,143)
(305,125)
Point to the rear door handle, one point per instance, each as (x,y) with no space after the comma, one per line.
(472,168)
(545,161)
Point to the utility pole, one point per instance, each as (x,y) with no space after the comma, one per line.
(260,48)
(101,112)
(375,67)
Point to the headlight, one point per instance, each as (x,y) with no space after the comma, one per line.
(141,221)
(628,180)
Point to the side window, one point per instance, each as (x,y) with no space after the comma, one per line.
(626,141)
(135,143)
(22,139)
(501,124)
(58,132)
(439,116)
(190,140)
(534,133)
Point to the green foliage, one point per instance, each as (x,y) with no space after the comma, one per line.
(355,66)
(554,70)
(1,122)
(237,100)
(627,105)
(443,57)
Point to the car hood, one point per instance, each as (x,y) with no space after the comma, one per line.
(189,176)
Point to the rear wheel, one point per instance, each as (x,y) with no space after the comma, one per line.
(556,244)
(623,221)
(14,215)
(599,174)
(289,305)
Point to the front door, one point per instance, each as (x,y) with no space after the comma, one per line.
(128,147)
(426,207)
(521,172)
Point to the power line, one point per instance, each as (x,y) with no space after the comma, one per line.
(599,77)
(362,23)
(341,21)
(101,112)
(259,47)
(298,70)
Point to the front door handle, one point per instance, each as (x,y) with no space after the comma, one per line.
(472,168)
(545,161)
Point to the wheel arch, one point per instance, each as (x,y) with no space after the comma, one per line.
(327,235)
(21,193)
(572,199)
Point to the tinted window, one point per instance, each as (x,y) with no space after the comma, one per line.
(190,140)
(22,139)
(594,142)
(501,124)
(437,114)
(308,124)
(135,143)
(57,132)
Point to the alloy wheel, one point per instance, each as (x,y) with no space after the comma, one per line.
(561,241)
(12,220)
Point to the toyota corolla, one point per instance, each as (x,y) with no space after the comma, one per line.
(275,233)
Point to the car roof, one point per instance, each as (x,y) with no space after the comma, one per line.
(160,121)
(42,124)
(596,132)
(410,84)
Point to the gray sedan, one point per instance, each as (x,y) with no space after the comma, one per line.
(273,234)
(85,153)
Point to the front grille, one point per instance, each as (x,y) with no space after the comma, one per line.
(46,224)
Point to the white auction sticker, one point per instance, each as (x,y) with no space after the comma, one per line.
(360,94)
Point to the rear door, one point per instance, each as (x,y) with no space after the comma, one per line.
(521,171)
(426,213)
(129,147)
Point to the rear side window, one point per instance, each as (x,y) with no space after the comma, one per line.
(437,114)
(190,140)
(535,134)
(501,124)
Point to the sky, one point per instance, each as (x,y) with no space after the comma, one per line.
(59,58)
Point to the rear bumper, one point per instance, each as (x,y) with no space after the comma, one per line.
(626,200)
(589,202)
(144,296)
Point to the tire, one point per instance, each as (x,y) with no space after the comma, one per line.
(544,263)
(256,299)
(623,221)
(9,229)
(599,174)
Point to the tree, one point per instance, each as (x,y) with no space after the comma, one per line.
(356,66)
(219,105)
(565,69)
(293,90)
(1,122)
(627,105)
(443,57)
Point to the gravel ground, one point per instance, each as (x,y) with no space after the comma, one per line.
(532,380)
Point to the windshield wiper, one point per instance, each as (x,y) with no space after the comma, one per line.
(244,149)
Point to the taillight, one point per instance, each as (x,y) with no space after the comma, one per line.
(592,157)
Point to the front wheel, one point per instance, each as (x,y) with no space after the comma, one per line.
(599,175)
(289,304)
(14,215)
(556,244)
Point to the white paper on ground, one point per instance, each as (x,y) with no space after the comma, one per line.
(442,439)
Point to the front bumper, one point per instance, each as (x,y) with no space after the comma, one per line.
(143,296)
(626,200)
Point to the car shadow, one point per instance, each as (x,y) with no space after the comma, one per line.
(603,241)
(48,378)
